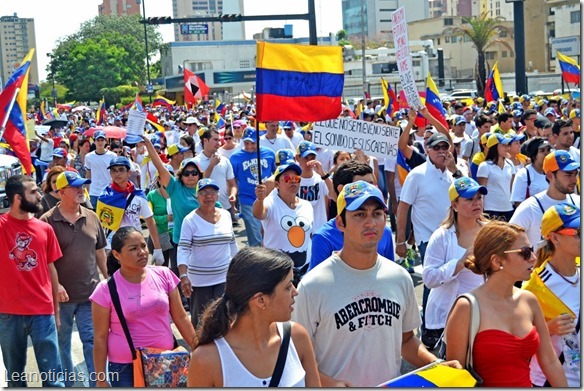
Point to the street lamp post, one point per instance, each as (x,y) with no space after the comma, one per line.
(364,73)
(148,86)
(54,91)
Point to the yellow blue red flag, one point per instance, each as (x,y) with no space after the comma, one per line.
(570,68)
(298,82)
(494,86)
(433,375)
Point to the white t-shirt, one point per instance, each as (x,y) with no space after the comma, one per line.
(528,214)
(280,142)
(206,248)
(47,150)
(469,128)
(355,318)
(296,139)
(100,176)
(227,152)
(498,184)
(519,189)
(426,190)
(288,230)
(326,158)
(222,172)
(314,190)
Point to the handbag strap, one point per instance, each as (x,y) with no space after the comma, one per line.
(279,369)
(111,283)
(475,320)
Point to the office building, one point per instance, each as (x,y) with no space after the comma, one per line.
(17,37)
(119,7)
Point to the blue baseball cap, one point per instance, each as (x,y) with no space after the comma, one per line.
(550,111)
(175,148)
(355,194)
(285,167)
(459,119)
(562,215)
(70,178)
(284,156)
(59,152)
(306,148)
(204,183)
(465,187)
(99,134)
(120,161)
(559,161)
(250,134)
(287,125)
(517,113)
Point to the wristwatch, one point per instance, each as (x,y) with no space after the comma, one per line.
(457,174)
(183,276)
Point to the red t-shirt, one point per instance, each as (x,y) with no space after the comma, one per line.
(28,246)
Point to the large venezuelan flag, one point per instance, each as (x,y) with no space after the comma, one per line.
(298,82)
(13,111)
(433,102)
(433,375)
(570,69)
(494,86)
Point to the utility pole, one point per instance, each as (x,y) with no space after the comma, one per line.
(149,85)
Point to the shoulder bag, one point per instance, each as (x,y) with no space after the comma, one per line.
(281,361)
(153,367)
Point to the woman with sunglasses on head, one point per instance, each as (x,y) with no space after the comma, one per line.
(556,284)
(242,331)
(149,299)
(512,327)
(286,219)
(229,146)
(449,247)
(207,244)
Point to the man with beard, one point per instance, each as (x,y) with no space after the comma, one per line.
(82,241)
(561,171)
(28,286)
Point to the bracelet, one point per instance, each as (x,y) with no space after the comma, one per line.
(325,176)
(183,275)
(400,243)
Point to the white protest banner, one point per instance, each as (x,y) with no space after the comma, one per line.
(404,58)
(42,129)
(136,122)
(347,134)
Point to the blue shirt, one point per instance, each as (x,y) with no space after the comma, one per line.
(245,170)
(329,238)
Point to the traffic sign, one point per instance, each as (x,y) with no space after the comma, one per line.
(194,28)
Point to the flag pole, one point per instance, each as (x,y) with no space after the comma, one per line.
(5,121)
(258,153)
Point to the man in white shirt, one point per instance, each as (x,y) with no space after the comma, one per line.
(217,167)
(294,136)
(561,170)
(563,137)
(273,140)
(97,163)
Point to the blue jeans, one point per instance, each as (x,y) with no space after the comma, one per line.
(253,227)
(14,330)
(93,200)
(81,312)
(120,375)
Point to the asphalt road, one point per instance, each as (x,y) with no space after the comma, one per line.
(77,350)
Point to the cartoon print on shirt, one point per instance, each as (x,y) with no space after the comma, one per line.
(296,227)
(133,213)
(26,257)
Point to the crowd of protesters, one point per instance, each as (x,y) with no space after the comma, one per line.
(331,239)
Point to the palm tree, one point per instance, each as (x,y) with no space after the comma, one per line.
(484,32)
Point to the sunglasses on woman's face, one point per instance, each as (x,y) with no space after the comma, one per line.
(569,232)
(291,179)
(189,173)
(524,252)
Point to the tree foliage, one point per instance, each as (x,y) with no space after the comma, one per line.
(106,52)
(484,32)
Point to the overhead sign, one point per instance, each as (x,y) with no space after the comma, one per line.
(194,28)
(347,134)
(404,58)
(234,77)
(570,46)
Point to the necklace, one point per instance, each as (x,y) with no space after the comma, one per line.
(573,283)
(270,140)
(291,205)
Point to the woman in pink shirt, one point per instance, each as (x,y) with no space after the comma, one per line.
(148,295)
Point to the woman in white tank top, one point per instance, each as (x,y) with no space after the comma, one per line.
(240,333)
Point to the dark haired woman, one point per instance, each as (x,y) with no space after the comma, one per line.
(240,335)
(148,295)
(187,141)
(496,174)
(511,327)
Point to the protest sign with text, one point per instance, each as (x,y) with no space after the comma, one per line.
(347,134)
(404,58)
(136,122)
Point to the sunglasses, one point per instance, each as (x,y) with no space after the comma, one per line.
(443,147)
(291,179)
(227,138)
(569,232)
(524,252)
(237,127)
(189,173)
(118,152)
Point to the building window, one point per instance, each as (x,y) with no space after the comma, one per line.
(438,41)
(447,39)
(490,55)
(575,17)
(385,20)
(448,22)
(504,54)
(502,33)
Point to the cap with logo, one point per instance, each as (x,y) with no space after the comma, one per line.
(465,187)
(306,148)
(288,125)
(284,156)
(459,120)
(250,134)
(559,160)
(174,149)
(204,183)
(120,161)
(99,134)
(69,178)
(285,167)
(550,111)
(59,152)
(562,215)
(355,194)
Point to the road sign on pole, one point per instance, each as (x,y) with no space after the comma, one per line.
(194,28)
